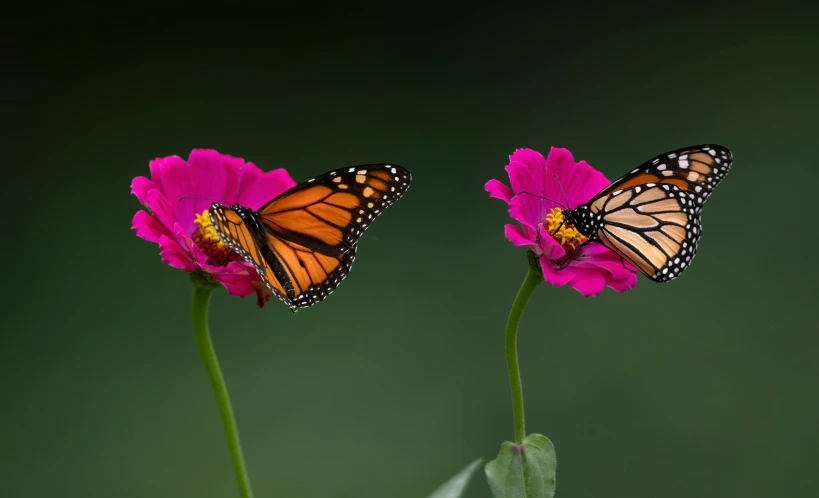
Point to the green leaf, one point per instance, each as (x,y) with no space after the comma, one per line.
(523,470)
(455,487)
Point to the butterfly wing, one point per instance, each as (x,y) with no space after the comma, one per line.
(656,227)
(329,213)
(312,229)
(247,242)
(697,169)
(310,275)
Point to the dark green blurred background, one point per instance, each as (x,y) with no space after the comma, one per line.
(705,386)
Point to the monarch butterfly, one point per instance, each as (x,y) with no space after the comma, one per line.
(303,242)
(650,217)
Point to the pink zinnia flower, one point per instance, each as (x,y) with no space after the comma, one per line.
(177,198)
(595,267)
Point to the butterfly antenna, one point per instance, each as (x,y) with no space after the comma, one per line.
(541,197)
(239,183)
(561,190)
(550,200)
(201,198)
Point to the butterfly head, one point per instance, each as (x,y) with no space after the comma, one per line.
(582,219)
(242,211)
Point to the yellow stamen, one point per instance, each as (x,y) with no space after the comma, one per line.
(568,236)
(206,231)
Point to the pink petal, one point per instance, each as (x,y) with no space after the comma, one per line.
(517,237)
(265,188)
(173,254)
(498,190)
(263,294)
(583,183)
(597,255)
(165,172)
(196,253)
(163,211)
(237,283)
(536,190)
(147,227)
(246,175)
(622,285)
(610,263)
(549,246)
(140,187)
(559,163)
(237,277)
(239,268)
(209,178)
(529,210)
(588,282)
(527,172)
(595,249)
(240,174)
(551,274)
(174,175)
(157,166)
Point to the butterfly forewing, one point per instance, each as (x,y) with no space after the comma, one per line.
(697,169)
(329,213)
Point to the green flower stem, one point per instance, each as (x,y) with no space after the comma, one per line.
(203,286)
(533,278)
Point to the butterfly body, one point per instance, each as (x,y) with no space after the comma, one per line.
(303,242)
(584,221)
(255,229)
(650,217)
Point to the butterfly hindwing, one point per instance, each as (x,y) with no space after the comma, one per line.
(656,227)
(313,275)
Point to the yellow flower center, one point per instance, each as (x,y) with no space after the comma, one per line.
(567,235)
(206,230)
(210,243)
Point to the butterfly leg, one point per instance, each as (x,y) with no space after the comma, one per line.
(229,254)
(558,228)
(537,239)
(623,262)
(574,254)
